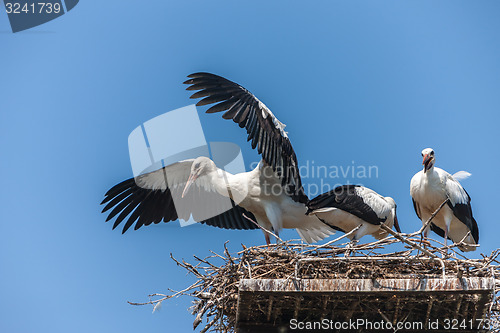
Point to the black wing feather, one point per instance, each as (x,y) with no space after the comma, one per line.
(463,212)
(345,198)
(145,206)
(416,208)
(438,230)
(246,110)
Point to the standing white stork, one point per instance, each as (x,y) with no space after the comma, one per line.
(429,188)
(199,186)
(348,206)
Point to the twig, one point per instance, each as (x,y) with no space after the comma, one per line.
(407,241)
(335,240)
(262,228)
(429,220)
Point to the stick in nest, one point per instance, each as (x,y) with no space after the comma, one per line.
(266,232)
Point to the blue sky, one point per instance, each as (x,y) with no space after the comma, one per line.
(372,82)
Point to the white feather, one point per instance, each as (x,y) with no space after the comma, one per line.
(461,175)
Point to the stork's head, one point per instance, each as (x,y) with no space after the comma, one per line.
(428,159)
(393,211)
(391,202)
(201,166)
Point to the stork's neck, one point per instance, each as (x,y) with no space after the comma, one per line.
(431,173)
(219,180)
(229,185)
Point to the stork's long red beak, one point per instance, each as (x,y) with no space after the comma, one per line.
(191,179)
(427,162)
(396,224)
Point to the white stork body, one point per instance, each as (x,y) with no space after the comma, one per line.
(429,188)
(349,206)
(271,194)
(256,192)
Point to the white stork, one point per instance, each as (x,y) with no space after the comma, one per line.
(201,185)
(429,188)
(348,206)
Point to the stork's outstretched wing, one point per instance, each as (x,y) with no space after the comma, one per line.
(265,131)
(156,196)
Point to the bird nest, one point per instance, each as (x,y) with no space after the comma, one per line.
(272,284)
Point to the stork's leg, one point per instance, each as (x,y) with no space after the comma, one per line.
(447,222)
(426,235)
(355,239)
(445,240)
(446,231)
(268,240)
(349,247)
(423,238)
(274,216)
(421,243)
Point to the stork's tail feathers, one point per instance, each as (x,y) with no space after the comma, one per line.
(461,175)
(315,235)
